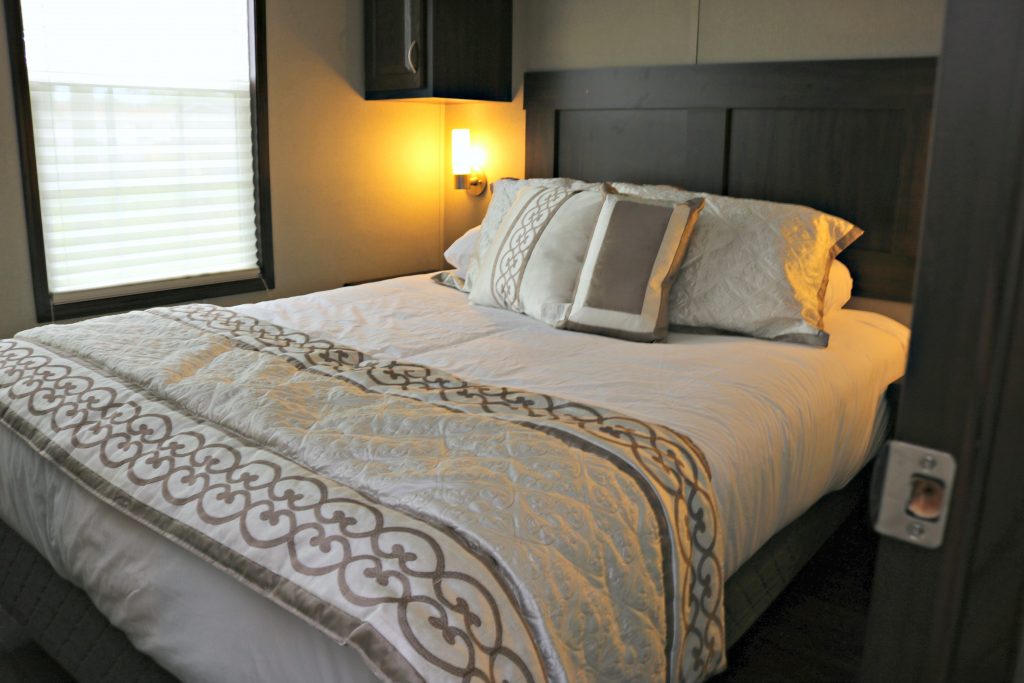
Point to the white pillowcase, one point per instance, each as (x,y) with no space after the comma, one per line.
(504,192)
(840,288)
(462,250)
(533,262)
(759,268)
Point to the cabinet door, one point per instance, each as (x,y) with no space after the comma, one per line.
(395,44)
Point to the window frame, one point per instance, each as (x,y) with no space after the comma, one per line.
(46,310)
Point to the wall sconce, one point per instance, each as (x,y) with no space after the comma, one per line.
(466,164)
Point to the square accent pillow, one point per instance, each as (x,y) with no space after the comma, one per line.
(759,268)
(533,262)
(633,259)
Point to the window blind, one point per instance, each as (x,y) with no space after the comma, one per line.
(142,119)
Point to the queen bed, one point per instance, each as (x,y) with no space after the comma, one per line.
(766,429)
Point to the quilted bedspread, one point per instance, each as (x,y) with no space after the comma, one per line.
(446,530)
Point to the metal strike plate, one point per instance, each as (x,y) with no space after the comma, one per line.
(914,501)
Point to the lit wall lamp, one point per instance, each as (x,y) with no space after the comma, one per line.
(467,162)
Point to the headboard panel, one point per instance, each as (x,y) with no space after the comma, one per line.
(846,137)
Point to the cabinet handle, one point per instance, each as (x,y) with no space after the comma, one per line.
(409,65)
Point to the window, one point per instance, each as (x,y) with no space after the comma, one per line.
(143,141)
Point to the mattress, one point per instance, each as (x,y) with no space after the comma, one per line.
(785,424)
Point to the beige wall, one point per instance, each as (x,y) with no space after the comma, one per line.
(755,30)
(576,34)
(569,34)
(355,184)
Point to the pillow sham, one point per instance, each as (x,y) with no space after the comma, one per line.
(461,250)
(839,290)
(533,262)
(503,194)
(759,268)
(632,261)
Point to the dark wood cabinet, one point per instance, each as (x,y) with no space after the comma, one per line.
(451,49)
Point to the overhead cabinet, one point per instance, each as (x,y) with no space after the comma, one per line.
(452,49)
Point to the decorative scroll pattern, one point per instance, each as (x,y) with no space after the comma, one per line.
(515,249)
(236,491)
(669,460)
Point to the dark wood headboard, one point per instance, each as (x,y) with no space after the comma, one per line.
(846,137)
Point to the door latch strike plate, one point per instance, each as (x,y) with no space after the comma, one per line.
(915,495)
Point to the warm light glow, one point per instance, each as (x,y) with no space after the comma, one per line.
(462,152)
(477,158)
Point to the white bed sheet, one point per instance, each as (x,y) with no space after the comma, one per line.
(780,424)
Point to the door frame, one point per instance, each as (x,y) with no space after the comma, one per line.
(954,613)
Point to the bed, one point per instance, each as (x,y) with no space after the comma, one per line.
(785,425)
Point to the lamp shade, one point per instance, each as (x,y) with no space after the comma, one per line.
(462,152)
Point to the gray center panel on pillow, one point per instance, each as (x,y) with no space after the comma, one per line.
(631,244)
(634,257)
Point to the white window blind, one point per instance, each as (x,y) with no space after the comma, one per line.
(143,139)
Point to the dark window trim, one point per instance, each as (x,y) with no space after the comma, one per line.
(45,310)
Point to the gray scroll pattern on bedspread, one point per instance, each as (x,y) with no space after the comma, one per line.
(667,457)
(222,483)
(229,480)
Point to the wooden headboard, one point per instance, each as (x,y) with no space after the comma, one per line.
(846,137)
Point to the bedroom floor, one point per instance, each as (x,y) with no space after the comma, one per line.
(814,633)
(21,660)
(815,630)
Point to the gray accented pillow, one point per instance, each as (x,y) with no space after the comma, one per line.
(760,269)
(633,259)
(534,259)
(503,194)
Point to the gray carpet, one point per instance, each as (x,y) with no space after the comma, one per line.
(814,633)
(21,660)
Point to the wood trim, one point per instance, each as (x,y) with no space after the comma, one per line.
(45,310)
(894,83)
(955,613)
(753,130)
(27,152)
(261,139)
(83,309)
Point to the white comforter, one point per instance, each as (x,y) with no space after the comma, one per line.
(781,426)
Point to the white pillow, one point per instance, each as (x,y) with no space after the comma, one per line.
(504,192)
(759,268)
(461,250)
(839,289)
(533,262)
